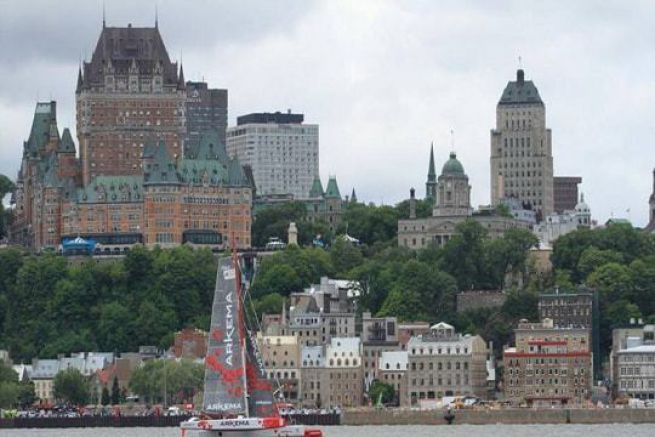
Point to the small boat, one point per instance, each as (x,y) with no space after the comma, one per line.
(238,399)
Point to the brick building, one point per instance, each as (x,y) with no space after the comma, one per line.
(132,182)
(549,365)
(565,192)
(190,343)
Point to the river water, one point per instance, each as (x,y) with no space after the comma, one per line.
(615,430)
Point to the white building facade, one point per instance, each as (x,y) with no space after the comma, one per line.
(280,149)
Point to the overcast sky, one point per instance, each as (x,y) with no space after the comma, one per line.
(383,79)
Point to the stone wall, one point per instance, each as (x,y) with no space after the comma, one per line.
(505,416)
(471,300)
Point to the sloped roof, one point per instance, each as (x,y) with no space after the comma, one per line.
(159,166)
(45,115)
(317,188)
(520,91)
(332,190)
(123,47)
(67,145)
(112,189)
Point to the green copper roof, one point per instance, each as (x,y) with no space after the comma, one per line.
(45,115)
(453,166)
(332,189)
(317,188)
(67,145)
(159,167)
(209,147)
(112,189)
(520,91)
(432,174)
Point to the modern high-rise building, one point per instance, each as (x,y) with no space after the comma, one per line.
(281,150)
(565,193)
(206,109)
(128,94)
(521,148)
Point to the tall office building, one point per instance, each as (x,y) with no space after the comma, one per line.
(281,150)
(128,94)
(565,193)
(521,148)
(206,109)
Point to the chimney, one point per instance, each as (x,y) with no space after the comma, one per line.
(412,203)
(520,76)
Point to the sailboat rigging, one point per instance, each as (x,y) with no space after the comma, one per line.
(238,400)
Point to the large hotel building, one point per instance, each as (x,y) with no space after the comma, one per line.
(134,180)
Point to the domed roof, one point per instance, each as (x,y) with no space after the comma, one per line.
(453,166)
(582,206)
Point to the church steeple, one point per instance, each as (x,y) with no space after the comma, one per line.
(432,174)
(431,184)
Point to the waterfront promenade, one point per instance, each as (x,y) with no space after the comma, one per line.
(506,416)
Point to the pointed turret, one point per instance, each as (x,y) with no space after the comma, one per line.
(317,189)
(353,196)
(180,83)
(332,190)
(66,145)
(80,81)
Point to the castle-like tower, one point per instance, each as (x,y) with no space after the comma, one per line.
(453,190)
(128,94)
(521,148)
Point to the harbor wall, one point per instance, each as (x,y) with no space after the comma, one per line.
(521,416)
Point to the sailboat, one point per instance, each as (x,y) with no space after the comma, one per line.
(238,400)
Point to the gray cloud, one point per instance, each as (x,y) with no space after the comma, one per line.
(383,79)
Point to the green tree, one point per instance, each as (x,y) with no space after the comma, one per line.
(115,392)
(104,397)
(276,278)
(381,391)
(423,208)
(71,386)
(592,258)
(345,256)
(370,223)
(116,328)
(274,222)
(464,256)
(180,379)
(6,186)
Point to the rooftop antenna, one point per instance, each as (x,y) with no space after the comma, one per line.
(452,139)
(104,13)
(156,16)
(520,63)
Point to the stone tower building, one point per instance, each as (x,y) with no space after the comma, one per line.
(651,207)
(431,183)
(521,148)
(128,94)
(453,190)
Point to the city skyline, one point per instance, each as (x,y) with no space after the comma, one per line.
(387,79)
